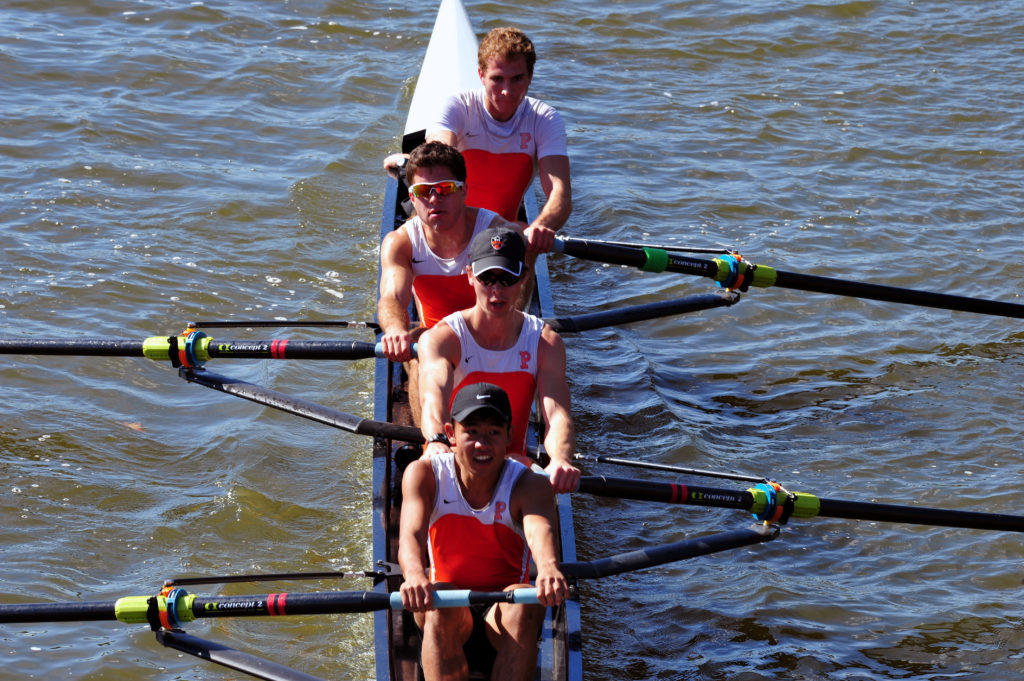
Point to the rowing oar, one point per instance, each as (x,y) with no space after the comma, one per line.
(771,502)
(733,272)
(170,610)
(175,606)
(195,347)
(192,349)
(299,407)
(165,612)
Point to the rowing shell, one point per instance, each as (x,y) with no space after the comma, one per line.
(448,67)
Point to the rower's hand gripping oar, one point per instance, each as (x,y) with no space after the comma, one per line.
(734,273)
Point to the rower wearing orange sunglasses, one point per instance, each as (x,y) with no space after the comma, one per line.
(425,259)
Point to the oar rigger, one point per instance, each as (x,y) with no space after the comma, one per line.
(187,349)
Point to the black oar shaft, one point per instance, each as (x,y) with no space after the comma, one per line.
(59,346)
(160,348)
(639,258)
(859,510)
(666,492)
(892,294)
(324,603)
(288,349)
(224,606)
(58,612)
(299,407)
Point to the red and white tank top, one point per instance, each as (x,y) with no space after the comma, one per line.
(440,285)
(514,370)
(475,548)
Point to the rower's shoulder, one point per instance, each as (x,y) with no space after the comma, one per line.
(396,240)
(401,233)
(419,477)
(439,341)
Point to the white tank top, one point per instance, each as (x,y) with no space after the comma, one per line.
(514,370)
(440,284)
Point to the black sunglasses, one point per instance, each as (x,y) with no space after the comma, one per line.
(500,277)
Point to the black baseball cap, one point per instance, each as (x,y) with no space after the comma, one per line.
(498,248)
(479,397)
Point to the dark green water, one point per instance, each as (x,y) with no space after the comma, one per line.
(166,162)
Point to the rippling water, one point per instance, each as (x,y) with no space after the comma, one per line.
(165,162)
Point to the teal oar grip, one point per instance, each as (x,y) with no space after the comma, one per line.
(463,598)
(379,349)
(657,260)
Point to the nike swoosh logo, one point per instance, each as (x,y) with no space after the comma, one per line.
(448,501)
(418,261)
(467,359)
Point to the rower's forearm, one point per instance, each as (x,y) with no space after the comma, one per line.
(392,316)
(410,561)
(560,442)
(555,213)
(541,540)
(430,425)
(431,412)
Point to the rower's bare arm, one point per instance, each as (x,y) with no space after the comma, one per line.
(439,350)
(395,296)
(557,186)
(418,490)
(446,136)
(537,503)
(556,407)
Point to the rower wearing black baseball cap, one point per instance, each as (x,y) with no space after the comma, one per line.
(478,515)
(495,342)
